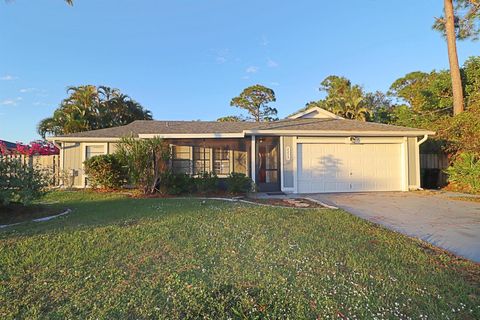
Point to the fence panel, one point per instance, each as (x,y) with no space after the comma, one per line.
(433,167)
(49,164)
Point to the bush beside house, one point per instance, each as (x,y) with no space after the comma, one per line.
(461,135)
(239,183)
(105,171)
(19,182)
(465,172)
(146,161)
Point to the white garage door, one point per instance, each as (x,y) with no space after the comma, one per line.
(349,167)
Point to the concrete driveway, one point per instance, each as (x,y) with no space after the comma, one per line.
(435,217)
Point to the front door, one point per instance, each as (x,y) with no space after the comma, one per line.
(268,164)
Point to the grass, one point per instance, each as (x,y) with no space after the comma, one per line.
(115,257)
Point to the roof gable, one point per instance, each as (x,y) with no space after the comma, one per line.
(314,113)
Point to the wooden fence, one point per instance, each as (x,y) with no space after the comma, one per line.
(50,165)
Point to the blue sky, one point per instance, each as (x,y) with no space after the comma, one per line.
(186,59)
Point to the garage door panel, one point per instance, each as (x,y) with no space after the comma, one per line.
(349,167)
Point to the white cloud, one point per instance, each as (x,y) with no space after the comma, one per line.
(274,83)
(252,69)
(26,90)
(271,63)
(8,77)
(8,102)
(245,77)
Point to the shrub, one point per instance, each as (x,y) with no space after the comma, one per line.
(465,171)
(146,161)
(462,132)
(176,183)
(206,182)
(105,171)
(238,183)
(20,182)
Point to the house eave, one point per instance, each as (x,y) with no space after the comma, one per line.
(339,133)
(82,139)
(245,133)
(193,135)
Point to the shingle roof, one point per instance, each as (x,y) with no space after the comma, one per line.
(139,127)
(8,144)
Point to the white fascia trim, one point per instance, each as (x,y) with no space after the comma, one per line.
(338,133)
(306,133)
(192,135)
(326,113)
(81,139)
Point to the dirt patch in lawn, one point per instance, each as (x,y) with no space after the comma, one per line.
(469,270)
(289,203)
(15,213)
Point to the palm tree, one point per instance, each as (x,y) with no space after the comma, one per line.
(88,108)
(349,104)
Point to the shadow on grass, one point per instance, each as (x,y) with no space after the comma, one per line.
(90,209)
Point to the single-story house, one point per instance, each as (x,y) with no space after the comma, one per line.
(312,151)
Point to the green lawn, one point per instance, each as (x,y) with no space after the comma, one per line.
(115,257)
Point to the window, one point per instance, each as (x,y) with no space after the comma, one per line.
(221,161)
(201,158)
(91,151)
(181,159)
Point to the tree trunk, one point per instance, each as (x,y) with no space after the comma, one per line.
(453,58)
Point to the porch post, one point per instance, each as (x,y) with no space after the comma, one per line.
(253,153)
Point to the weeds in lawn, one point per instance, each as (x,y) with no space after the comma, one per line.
(117,257)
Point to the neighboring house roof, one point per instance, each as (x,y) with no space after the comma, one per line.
(149,128)
(314,112)
(8,144)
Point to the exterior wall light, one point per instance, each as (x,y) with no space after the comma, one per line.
(355,140)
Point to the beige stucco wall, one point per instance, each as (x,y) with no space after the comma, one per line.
(72,162)
(72,155)
(112,147)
